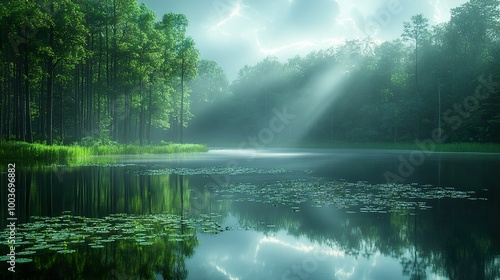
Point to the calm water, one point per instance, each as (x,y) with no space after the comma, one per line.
(271,214)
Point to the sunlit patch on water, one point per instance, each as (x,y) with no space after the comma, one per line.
(257,153)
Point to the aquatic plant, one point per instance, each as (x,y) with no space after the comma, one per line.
(41,153)
(219,170)
(66,233)
(354,196)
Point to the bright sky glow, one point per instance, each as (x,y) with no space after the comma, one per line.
(224,272)
(243,32)
(234,13)
(247,254)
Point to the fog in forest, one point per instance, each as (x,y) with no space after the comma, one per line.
(250,139)
(251,73)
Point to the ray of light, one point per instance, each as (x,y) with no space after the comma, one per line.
(325,89)
(295,45)
(305,44)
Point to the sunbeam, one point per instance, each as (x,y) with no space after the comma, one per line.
(324,89)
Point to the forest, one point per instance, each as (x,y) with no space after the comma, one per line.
(91,71)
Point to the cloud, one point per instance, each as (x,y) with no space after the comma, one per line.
(298,20)
(240,32)
(311,15)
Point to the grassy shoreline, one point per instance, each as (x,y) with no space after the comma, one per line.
(446,147)
(42,153)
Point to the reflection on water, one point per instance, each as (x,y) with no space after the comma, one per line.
(127,220)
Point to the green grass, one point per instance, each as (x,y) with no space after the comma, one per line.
(41,153)
(447,147)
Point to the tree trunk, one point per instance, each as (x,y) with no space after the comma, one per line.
(61,114)
(50,75)
(142,120)
(99,87)
(181,124)
(82,121)
(50,72)
(20,105)
(126,121)
(29,136)
(2,94)
(115,72)
(42,116)
(8,111)
(75,109)
(150,110)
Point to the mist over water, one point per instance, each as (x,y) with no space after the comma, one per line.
(299,139)
(266,214)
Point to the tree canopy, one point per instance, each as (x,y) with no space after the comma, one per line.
(75,70)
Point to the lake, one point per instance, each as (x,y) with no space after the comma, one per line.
(266,214)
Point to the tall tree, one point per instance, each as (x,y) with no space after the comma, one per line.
(180,62)
(188,58)
(66,43)
(416,31)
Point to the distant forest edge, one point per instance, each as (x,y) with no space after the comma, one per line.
(102,71)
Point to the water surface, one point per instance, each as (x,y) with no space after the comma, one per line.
(267,214)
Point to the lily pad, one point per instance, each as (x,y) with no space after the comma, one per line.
(66,251)
(24,253)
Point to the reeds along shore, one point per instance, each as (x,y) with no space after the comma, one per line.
(42,153)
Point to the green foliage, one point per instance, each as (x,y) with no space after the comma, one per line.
(397,91)
(100,72)
(41,153)
(91,67)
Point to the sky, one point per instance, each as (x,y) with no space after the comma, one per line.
(235,33)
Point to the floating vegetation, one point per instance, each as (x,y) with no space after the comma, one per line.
(41,153)
(65,233)
(214,171)
(56,248)
(361,196)
(4,258)
(93,164)
(23,260)
(24,253)
(66,251)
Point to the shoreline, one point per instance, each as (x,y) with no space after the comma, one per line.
(42,153)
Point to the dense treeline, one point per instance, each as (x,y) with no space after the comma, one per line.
(445,76)
(100,71)
(84,70)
